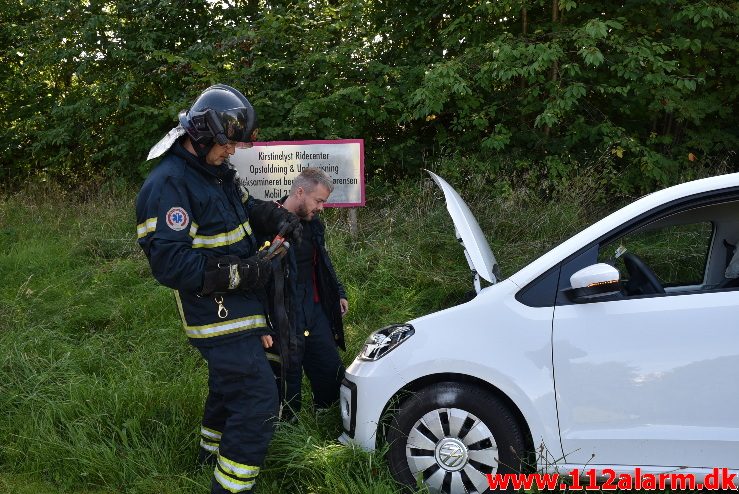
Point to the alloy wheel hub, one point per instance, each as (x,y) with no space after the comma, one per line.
(451,454)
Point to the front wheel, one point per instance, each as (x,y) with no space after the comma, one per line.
(450,435)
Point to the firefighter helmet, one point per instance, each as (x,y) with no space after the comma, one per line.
(221,114)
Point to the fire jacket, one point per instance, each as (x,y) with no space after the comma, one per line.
(186,212)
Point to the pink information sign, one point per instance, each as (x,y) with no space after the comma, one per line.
(269,168)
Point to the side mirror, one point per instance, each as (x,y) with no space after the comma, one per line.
(594,283)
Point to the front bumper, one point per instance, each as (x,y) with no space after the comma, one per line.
(348,409)
(363,396)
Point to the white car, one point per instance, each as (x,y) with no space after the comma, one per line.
(617,349)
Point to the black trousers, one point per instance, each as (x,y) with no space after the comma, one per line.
(317,355)
(240,412)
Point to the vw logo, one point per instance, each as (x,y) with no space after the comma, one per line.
(451,454)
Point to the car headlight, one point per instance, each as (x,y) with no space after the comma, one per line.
(382,341)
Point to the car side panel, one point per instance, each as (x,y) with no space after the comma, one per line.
(650,381)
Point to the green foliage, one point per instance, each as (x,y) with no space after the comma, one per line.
(594,79)
(90,86)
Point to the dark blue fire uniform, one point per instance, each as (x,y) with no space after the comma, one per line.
(188,212)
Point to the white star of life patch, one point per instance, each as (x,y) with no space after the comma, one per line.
(177,219)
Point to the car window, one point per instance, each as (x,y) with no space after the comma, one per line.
(675,254)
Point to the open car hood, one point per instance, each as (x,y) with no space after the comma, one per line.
(479,256)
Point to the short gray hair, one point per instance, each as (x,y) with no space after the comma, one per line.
(309,178)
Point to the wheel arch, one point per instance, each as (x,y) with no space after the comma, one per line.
(425,381)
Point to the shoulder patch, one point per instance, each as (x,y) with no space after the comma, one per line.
(177,219)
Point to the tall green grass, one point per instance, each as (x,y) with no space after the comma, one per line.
(99,390)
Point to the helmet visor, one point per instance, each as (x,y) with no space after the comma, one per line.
(236,127)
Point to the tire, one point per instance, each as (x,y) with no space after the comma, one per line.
(450,435)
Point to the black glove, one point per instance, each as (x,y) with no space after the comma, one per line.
(255,271)
(269,218)
(228,273)
(290,227)
(220,275)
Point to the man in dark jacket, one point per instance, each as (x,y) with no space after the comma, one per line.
(195,227)
(318,299)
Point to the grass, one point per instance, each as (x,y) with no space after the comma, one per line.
(99,390)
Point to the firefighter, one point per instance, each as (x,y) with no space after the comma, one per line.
(195,226)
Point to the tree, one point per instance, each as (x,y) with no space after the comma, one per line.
(647,87)
(645,80)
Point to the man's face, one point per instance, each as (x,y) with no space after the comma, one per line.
(219,152)
(311,203)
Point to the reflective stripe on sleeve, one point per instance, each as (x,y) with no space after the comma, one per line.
(221,239)
(148,226)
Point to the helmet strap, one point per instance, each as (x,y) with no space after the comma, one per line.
(215,126)
(202,150)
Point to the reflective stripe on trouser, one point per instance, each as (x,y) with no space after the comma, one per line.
(242,404)
(233,476)
(210,439)
(317,354)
